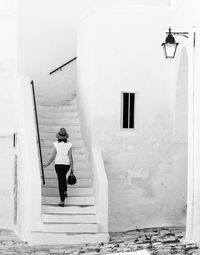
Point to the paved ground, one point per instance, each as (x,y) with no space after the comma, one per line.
(158,241)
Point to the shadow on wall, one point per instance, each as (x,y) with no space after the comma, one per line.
(181,132)
(181,107)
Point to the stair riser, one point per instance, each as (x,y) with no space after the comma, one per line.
(48,218)
(59,122)
(79,174)
(47,143)
(54,129)
(72,192)
(80,183)
(68,101)
(75,151)
(52,136)
(69,209)
(63,239)
(70,228)
(76,158)
(57,109)
(47,150)
(78,166)
(59,115)
(78,201)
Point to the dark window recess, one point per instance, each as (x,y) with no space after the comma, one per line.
(128,110)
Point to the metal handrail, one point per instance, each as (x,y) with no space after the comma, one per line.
(60,67)
(38,133)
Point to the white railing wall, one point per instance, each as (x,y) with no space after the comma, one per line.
(29,178)
(100,184)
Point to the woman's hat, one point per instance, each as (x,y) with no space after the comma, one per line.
(62,134)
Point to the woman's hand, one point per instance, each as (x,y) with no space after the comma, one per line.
(51,159)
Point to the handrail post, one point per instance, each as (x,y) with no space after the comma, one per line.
(38,133)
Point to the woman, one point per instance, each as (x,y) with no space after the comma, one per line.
(62,153)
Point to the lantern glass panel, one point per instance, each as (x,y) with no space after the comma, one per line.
(170,49)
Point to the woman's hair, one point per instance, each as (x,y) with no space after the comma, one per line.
(62,140)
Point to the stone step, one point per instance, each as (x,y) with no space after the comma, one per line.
(51,173)
(68,227)
(52,136)
(57,115)
(59,122)
(71,191)
(69,218)
(78,166)
(76,157)
(81,183)
(71,101)
(49,143)
(44,238)
(75,150)
(54,129)
(69,209)
(49,99)
(56,108)
(47,150)
(78,201)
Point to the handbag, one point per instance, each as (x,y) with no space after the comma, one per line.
(71,179)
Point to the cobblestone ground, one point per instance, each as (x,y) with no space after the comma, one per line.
(163,241)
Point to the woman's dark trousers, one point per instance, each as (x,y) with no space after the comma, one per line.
(61,171)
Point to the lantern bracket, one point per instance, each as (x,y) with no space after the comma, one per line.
(185,34)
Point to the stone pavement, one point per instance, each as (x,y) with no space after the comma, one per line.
(157,241)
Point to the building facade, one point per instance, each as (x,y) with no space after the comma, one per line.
(143,174)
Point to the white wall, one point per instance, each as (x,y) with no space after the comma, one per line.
(180,137)
(8,57)
(47,39)
(29,175)
(119,49)
(6,179)
(48,30)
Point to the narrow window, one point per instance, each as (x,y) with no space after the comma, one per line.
(128,105)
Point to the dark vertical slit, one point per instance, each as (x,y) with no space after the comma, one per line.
(132,104)
(14,139)
(125,109)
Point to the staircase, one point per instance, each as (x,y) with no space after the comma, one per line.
(77,222)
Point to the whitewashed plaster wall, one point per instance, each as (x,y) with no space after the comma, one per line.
(8,58)
(6,180)
(47,39)
(184,20)
(120,50)
(8,61)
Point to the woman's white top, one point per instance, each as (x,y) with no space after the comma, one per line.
(62,155)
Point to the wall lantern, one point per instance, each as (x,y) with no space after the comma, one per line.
(170,45)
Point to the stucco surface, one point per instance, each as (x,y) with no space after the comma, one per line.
(8,122)
(6,181)
(146,170)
